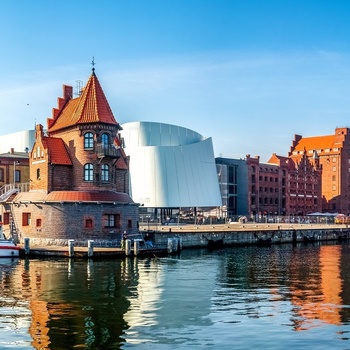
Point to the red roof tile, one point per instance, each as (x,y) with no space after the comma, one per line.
(57,151)
(315,143)
(74,196)
(91,107)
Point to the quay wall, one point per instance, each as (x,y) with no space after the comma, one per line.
(203,239)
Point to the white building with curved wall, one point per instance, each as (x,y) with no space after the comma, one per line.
(170,166)
(21,141)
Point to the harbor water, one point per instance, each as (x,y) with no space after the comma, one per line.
(278,297)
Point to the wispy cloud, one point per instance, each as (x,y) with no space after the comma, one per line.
(232,96)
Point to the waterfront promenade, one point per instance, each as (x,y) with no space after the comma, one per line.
(202,236)
(236,226)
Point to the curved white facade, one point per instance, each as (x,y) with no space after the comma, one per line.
(21,141)
(170,166)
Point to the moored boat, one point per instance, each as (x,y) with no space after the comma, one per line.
(8,248)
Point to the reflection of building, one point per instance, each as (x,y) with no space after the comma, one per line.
(170,166)
(319,299)
(78,176)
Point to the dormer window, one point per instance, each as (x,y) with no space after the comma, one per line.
(88,140)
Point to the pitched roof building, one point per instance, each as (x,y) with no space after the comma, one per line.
(332,153)
(79,175)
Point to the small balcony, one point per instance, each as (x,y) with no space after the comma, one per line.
(107,151)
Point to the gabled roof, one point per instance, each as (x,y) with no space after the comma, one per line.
(57,151)
(281,160)
(90,107)
(314,143)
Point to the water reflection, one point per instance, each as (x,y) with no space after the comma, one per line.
(197,299)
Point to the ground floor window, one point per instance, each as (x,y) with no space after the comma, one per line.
(112,220)
(6,219)
(88,223)
(38,222)
(26,219)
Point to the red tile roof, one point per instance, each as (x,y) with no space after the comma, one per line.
(91,107)
(74,196)
(57,151)
(315,143)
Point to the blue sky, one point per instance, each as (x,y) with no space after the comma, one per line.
(248,73)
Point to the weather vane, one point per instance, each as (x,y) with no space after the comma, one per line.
(93,64)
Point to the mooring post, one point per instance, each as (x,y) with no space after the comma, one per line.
(170,245)
(71,248)
(127,247)
(90,248)
(175,245)
(136,247)
(26,246)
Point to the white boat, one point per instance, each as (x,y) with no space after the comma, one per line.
(8,248)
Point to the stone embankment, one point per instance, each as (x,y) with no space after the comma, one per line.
(172,238)
(192,236)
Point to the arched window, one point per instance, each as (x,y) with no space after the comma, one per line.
(38,174)
(105,172)
(105,140)
(88,172)
(88,140)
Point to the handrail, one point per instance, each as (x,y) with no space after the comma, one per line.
(8,189)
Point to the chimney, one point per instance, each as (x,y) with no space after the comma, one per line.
(12,151)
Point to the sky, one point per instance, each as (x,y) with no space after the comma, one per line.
(250,74)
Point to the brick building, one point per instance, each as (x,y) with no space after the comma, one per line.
(332,153)
(280,187)
(300,185)
(79,176)
(14,169)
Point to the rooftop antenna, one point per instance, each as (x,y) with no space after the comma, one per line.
(78,87)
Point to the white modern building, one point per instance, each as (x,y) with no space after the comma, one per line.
(170,166)
(21,141)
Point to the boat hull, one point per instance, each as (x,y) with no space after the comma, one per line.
(8,249)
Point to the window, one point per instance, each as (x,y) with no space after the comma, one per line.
(26,219)
(1,174)
(129,223)
(105,140)
(112,220)
(17,175)
(105,172)
(6,218)
(88,223)
(88,172)
(88,140)
(38,222)
(38,174)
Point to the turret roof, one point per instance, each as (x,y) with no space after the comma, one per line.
(90,107)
